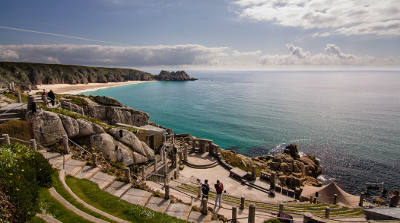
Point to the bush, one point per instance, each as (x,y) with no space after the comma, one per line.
(22,173)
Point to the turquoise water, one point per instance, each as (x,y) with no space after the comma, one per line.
(350,120)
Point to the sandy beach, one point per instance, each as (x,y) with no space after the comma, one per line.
(79,88)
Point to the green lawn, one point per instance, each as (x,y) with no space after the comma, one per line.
(91,194)
(61,190)
(52,207)
(36,220)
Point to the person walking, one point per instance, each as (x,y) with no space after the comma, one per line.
(205,188)
(219,187)
(52,97)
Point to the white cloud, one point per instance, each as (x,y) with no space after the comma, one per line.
(347,17)
(182,55)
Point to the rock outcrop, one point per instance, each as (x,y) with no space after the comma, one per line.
(47,127)
(107,101)
(130,139)
(291,169)
(113,115)
(173,76)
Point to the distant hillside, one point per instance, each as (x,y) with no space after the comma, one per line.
(38,73)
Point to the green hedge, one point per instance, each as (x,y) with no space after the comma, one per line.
(22,173)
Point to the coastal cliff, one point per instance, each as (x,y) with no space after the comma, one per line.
(38,73)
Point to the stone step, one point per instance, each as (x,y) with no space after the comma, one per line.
(48,218)
(8,119)
(136,196)
(102,179)
(198,217)
(118,188)
(87,172)
(179,210)
(158,204)
(56,159)
(9,115)
(72,167)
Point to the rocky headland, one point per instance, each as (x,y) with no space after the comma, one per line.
(24,74)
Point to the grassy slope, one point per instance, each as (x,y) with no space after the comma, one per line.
(91,194)
(52,207)
(61,190)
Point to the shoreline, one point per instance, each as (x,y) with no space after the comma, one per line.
(80,88)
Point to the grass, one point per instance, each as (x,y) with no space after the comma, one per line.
(63,192)
(77,100)
(17,129)
(91,194)
(13,96)
(36,220)
(52,207)
(76,116)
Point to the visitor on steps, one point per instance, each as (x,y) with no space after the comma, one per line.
(394,198)
(52,97)
(205,188)
(44,97)
(219,187)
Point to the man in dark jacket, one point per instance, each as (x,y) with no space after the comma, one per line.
(205,188)
(52,97)
(219,187)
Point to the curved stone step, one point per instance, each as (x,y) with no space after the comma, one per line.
(62,179)
(204,166)
(48,218)
(72,208)
(179,210)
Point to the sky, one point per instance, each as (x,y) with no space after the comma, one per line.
(203,34)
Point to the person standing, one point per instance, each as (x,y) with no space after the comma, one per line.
(44,97)
(394,198)
(219,187)
(52,97)
(205,188)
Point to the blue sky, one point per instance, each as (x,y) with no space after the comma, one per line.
(240,34)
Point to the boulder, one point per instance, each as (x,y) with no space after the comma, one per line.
(130,139)
(107,101)
(292,151)
(71,126)
(105,144)
(47,127)
(113,115)
(87,128)
(124,154)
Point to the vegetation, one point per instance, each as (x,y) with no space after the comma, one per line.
(63,192)
(78,100)
(22,173)
(91,194)
(17,129)
(272,221)
(52,207)
(14,96)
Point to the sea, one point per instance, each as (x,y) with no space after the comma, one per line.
(350,120)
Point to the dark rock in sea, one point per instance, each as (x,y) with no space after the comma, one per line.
(173,76)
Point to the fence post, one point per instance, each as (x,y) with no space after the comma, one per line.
(234,214)
(33,144)
(361,199)
(281,209)
(166,196)
(155,163)
(272,180)
(94,159)
(241,203)
(335,198)
(253,172)
(65,142)
(19,97)
(6,139)
(142,173)
(185,154)
(252,213)
(327,210)
(204,206)
(127,172)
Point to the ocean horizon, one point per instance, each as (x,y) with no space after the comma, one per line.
(349,120)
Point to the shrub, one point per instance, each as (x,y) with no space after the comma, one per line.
(22,173)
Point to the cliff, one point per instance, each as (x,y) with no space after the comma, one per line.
(38,73)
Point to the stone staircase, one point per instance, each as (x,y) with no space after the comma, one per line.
(123,190)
